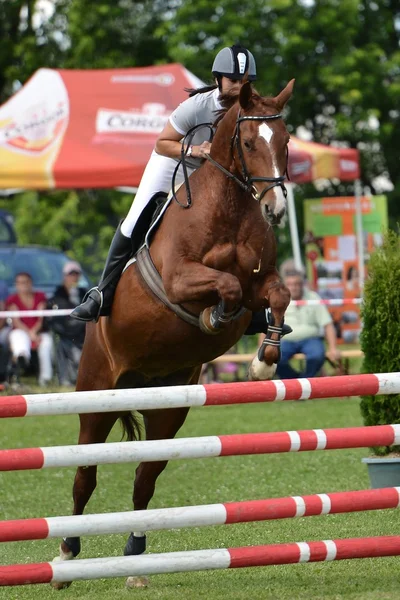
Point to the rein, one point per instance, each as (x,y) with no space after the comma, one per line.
(248,182)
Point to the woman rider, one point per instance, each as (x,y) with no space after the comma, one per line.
(229,68)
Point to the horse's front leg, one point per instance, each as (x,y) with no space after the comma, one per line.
(192,281)
(277,296)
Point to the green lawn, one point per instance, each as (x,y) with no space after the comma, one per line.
(48,493)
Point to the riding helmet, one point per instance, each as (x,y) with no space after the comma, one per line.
(233,62)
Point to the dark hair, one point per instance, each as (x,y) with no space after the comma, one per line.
(352,269)
(23,274)
(203,90)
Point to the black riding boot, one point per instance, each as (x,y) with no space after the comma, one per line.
(98,300)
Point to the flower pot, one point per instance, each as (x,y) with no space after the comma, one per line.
(383,472)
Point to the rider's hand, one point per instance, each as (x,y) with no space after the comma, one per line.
(202,150)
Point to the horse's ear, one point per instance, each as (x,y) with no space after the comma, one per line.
(245,94)
(282,98)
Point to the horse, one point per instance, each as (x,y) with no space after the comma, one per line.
(217,264)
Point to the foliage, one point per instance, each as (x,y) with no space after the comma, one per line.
(381,331)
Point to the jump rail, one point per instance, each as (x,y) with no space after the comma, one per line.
(199,447)
(200,516)
(200,560)
(198,395)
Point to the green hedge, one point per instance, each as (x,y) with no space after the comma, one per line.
(380,338)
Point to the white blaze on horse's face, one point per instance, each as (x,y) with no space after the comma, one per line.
(266,132)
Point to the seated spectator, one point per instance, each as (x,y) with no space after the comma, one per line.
(310,324)
(70,332)
(4,333)
(28,333)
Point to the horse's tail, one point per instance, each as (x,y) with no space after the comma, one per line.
(131,427)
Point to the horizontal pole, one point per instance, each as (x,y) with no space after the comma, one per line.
(200,560)
(198,395)
(198,447)
(200,516)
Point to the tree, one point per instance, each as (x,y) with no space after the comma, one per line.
(380,335)
(344,55)
(26,43)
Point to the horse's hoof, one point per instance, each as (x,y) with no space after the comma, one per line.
(62,585)
(260,371)
(137,582)
(205,322)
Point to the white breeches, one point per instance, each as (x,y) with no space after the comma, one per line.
(20,345)
(157,177)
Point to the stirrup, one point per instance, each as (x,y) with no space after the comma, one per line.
(100,295)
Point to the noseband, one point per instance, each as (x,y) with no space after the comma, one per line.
(247,182)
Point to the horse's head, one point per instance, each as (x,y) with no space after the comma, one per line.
(260,149)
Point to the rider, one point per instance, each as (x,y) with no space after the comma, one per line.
(202,106)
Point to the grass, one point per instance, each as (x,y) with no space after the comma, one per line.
(48,493)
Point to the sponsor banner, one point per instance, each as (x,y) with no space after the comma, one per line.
(331,252)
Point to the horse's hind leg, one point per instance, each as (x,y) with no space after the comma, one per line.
(94,429)
(159,424)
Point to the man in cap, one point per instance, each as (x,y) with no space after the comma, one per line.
(70,332)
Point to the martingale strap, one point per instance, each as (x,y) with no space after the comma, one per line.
(152,279)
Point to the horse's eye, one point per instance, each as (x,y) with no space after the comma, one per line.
(247,145)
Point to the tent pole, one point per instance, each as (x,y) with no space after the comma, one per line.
(359,232)
(294,232)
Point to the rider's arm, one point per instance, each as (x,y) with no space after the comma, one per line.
(169,144)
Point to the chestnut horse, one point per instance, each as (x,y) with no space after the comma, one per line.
(214,258)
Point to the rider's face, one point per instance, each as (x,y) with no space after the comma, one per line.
(230,86)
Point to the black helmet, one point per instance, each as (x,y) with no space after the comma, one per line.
(233,63)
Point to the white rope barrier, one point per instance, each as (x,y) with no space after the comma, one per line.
(67,311)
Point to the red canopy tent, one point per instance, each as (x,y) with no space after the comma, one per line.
(96,129)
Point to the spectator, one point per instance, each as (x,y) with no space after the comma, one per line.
(4,334)
(70,332)
(28,333)
(310,324)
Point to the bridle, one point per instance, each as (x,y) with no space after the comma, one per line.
(247,182)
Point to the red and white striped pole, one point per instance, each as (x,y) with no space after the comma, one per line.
(199,447)
(198,395)
(200,560)
(200,516)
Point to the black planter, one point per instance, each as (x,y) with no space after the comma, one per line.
(383,472)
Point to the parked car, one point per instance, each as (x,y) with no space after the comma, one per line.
(44,264)
(7,231)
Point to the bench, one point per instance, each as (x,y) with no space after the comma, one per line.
(244,358)
(345,357)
